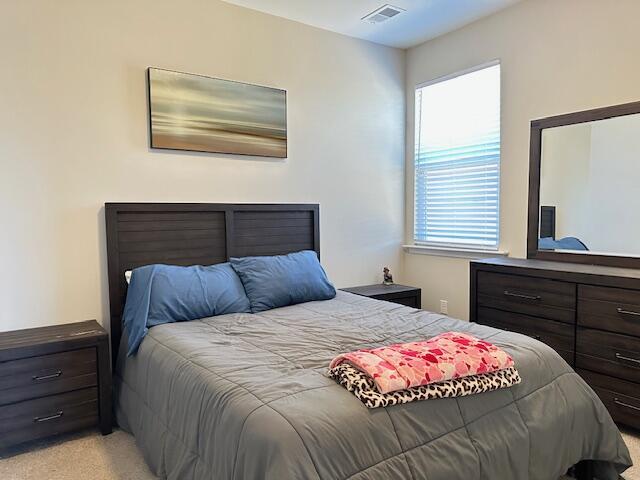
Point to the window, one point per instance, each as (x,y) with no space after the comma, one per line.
(457,161)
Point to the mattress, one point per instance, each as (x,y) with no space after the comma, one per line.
(246,396)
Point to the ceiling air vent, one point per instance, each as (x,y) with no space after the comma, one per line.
(383,14)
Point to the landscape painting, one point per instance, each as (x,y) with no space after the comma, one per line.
(204,114)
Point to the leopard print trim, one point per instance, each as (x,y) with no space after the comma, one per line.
(363,387)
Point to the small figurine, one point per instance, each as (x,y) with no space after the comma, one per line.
(388,278)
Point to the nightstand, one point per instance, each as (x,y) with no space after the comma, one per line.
(53,380)
(402,294)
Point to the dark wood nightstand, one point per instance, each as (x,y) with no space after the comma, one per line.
(402,294)
(53,380)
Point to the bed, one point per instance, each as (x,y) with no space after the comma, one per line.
(246,396)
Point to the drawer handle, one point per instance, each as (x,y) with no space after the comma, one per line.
(622,311)
(48,417)
(520,295)
(37,378)
(626,405)
(627,359)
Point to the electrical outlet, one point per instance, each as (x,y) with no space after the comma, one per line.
(444,307)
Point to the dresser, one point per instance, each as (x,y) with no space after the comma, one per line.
(589,314)
(395,293)
(53,380)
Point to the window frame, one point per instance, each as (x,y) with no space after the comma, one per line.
(427,246)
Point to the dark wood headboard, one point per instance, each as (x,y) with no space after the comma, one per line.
(548,222)
(198,234)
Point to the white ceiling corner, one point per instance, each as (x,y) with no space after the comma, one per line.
(422,20)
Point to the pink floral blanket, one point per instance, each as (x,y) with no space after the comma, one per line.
(445,357)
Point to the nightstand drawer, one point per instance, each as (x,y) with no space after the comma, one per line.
(394,293)
(42,417)
(612,309)
(411,301)
(407,301)
(608,353)
(550,299)
(35,377)
(54,379)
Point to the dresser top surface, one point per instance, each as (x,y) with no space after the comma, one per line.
(572,268)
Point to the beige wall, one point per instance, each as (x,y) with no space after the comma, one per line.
(615,192)
(557,56)
(73,129)
(73,135)
(565,178)
(590,173)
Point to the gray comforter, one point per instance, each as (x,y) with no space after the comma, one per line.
(246,396)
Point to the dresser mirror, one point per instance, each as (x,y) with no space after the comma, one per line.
(584,190)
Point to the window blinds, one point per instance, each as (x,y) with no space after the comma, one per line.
(457,161)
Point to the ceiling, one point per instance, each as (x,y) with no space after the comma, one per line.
(422,20)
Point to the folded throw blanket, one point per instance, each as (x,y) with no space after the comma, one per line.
(363,387)
(446,356)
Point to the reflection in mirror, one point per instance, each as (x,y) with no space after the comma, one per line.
(590,187)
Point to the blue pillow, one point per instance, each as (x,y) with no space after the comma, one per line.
(282,280)
(161,294)
(566,243)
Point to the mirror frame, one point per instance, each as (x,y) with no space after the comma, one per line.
(535,159)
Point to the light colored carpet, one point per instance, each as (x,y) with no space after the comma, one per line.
(90,456)
(82,456)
